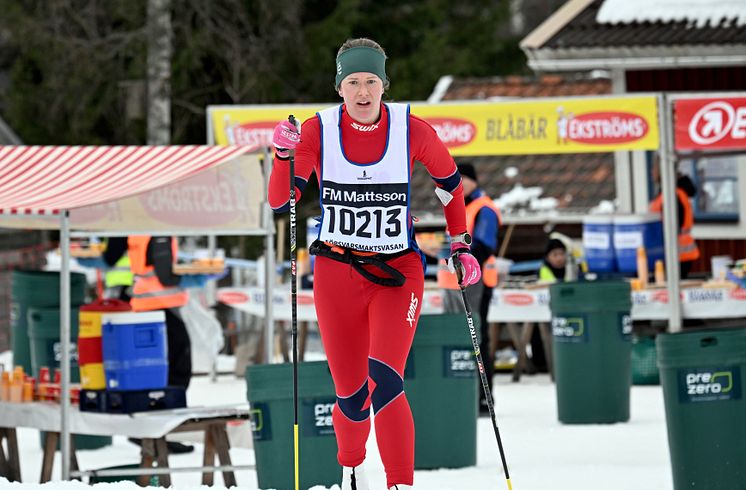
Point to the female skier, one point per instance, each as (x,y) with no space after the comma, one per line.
(369,272)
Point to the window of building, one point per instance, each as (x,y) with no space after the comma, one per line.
(716,181)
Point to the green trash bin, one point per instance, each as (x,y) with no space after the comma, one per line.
(45,346)
(44,340)
(591,329)
(36,289)
(269,389)
(702,374)
(441,384)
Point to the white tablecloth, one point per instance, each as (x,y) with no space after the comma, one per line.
(514,305)
(47,416)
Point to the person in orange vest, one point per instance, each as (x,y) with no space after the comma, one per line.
(156,287)
(688,250)
(483,220)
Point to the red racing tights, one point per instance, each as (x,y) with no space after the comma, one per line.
(367,330)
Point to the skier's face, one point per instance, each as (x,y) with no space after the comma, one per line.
(362,94)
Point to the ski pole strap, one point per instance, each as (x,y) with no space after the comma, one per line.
(348,256)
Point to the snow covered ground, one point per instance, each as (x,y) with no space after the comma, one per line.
(542,454)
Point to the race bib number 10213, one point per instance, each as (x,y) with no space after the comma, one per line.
(364,223)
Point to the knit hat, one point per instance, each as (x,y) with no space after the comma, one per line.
(467,170)
(554,244)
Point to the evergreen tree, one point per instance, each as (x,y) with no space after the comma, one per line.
(77,67)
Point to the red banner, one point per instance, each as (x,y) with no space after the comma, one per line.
(718,123)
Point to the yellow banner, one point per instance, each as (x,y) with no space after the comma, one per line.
(572,125)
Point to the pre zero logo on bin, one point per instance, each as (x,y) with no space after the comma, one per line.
(458,362)
(709,384)
(572,328)
(317,417)
(261,429)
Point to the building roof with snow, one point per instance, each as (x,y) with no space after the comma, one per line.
(638,34)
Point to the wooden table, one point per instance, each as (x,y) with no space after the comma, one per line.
(151,427)
(10,466)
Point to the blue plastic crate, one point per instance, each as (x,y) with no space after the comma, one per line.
(135,350)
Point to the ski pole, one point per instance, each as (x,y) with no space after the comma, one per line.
(480,366)
(294,307)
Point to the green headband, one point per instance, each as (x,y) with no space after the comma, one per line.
(360,59)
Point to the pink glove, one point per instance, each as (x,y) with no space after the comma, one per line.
(465,265)
(285,138)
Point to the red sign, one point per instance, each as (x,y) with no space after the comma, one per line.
(606,128)
(661,296)
(702,124)
(232,297)
(305,299)
(518,299)
(255,134)
(436,301)
(453,132)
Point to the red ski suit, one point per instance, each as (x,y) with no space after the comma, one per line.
(367,329)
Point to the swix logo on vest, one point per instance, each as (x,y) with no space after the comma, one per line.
(518,299)
(738,293)
(453,132)
(250,134)
(412,312)
(716,121)
(365,128)
(601,128)
(365,176)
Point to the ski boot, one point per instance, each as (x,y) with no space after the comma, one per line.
(354,478)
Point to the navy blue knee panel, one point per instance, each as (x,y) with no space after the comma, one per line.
(352,406)
(389,384)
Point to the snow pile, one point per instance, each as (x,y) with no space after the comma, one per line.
(542,454)
(519,197)
(697,12)
(603,207)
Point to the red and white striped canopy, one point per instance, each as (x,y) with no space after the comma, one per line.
(50,179)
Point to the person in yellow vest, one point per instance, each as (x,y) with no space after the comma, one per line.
(688,250)
(553,265)
(553,269)
(118,279)
(483,220)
